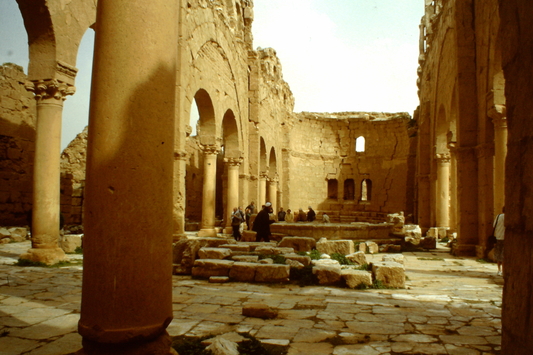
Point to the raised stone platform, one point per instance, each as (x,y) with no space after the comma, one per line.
(336,231)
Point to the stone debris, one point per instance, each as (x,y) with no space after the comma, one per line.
(397,258)
(243,272)
(13,234)
(428,243)
(354,278)
(269,250)
(259,310)
(214,253)
(219,279)
(205,268)
(298,243)
(357,257)
(272,273)
(327,274)
(70,242)
(329,247)
(246,258)
(302,259)
(390,273)
(294,264)
(221,346)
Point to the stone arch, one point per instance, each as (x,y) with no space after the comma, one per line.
(272,162)
(230,135)
(207,122)
(263,163)
(360,144)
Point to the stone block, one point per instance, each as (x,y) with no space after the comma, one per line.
(397,258)
(372,247)
(237,247)
(327,274)
(218,279)
(326,262)
(391,274)
(343,247)
(432,232)
(428,243)
(205,268)
(362,247)
(259,310)
(70,242)
(294,264)
(354,277)
(270,250)
(390,248)
(246,258)
(358,257)
(272,273)
(248,236)
(4,232)
(214,253)
(243,271)
(303,259)
(298,243)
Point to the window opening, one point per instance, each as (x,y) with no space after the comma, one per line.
(360,144)
(349,189)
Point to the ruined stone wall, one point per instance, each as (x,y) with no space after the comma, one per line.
(17,146)
(323,147)
(73,165)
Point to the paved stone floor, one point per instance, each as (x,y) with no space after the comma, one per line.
(450,306)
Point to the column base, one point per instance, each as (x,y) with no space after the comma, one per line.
(159,346)
(49,256)
(207,232)
(464,249)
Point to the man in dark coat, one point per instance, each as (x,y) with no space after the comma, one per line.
(262,224)
(311,215)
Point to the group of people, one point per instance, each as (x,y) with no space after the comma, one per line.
(301,216)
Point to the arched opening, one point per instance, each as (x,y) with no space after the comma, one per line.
(349,190)
(333,189)
(360,144)
(366,190)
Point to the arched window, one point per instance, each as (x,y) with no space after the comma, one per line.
(333,188)
(349,189)
(366,190)
(360,144)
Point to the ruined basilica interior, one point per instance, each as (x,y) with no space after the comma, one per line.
(144,173)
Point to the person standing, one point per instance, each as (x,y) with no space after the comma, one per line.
(262,224)
(281,215)
(311,215)
(499,233)
(236,219)
(249,211)
(325,218)
(289,217)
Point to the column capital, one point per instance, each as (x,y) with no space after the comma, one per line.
(180,155)
(48,89)
(443,158)
(233,161)
(263,175)
(210,149)
(497,112)
(274,178)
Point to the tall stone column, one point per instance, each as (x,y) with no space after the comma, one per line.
(180,169)
(233,189)
(500,153)
(273,192)
(49,95)
(443,191)
(263,176)
(209,191)
(127,273)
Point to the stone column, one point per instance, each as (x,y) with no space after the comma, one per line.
(49,95)
(180,169)
(233,189)
(273,192)
(443,191)
(500,153)
(209,191)
(126,301)
(263,176)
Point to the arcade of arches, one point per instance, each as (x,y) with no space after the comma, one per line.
(452,166)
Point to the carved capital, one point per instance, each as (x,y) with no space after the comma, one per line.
(443,158)
(498,114)
(263,175)
(180,155)
(48,89)
(210,149)
(233,161)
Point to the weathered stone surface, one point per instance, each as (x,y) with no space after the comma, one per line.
(246,258)
(269,250)
(298,243)
(218,279)
(397,258)
(325,262)
(413,234)
(303,259)
(428,243)
(206,268)
(354,278)
(358,257)
(272,273)
(398,221)
(18,234)
(221,346)
(185,251)
(70,242)
(391,274)
(343,247)
(327,274)
(372,247)
(259,310)
(4,233)
(236,247)
(248,236)
(214,253)
(294,264)
(243,271)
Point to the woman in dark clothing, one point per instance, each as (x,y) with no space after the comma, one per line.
(262,224)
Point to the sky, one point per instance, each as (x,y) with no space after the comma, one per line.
(336,55)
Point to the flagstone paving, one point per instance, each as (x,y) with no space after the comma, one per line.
(450,306)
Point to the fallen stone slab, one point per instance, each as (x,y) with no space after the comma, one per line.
(272,273)
(327,274)
(329,247)
(248,236)
(214,253)
(354,277)
(246,258)
(397,258)
(259,310)
(270,250)
(303,259)
(243,272)
(18,234)
(70,242)
(390,273)
(358,257)
(294,264)
(240,247)
(372,247)
(428,243)
(205,268)
(218,279)
(298,243)
(221,346)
